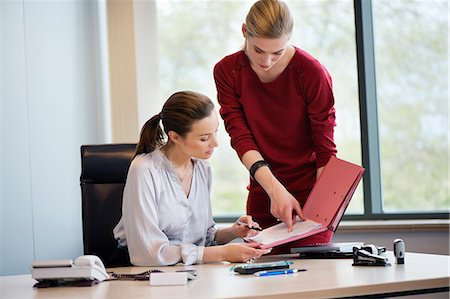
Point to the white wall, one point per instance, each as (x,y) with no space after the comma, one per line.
(56,93)
(50,105)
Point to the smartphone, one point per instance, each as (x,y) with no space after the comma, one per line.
(255,267)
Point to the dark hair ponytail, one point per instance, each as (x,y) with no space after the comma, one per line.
(178,114)
(151,137)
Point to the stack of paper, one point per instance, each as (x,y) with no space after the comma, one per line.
(277,234)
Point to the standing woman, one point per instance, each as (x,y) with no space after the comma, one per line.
(278,107)
(166,211)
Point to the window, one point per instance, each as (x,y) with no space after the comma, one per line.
(411,51)
(194,35)
(326,29)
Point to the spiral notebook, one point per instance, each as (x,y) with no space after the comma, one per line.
(324,207)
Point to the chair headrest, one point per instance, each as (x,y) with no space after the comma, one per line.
(106,163)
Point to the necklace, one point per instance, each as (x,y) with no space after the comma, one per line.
(188,168)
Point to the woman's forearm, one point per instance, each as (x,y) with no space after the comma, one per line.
(225,235)
(263,175)
(213,254)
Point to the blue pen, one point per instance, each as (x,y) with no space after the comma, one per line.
(277,272)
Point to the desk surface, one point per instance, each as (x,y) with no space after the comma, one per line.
(324,278)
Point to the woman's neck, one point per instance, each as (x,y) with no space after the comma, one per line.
(177,157)
(181,165)
(277,69)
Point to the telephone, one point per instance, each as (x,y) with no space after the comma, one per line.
(86,268)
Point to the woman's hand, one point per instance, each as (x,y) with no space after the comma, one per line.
(233,252)
(285,207)
(282,204)
(245,227)
(242,252)
(240,229)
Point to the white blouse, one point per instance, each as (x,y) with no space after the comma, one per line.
(159,224)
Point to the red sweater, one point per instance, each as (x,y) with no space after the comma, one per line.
(290,120)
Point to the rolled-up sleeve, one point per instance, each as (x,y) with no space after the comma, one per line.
(191,254)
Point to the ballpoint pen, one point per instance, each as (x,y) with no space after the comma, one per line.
(278,272)
(251,227)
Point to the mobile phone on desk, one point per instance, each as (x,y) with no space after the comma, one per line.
(256,267)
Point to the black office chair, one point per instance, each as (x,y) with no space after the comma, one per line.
(104,169)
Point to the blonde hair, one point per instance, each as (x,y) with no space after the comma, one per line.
(269,19)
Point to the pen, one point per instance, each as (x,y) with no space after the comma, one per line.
(277,272)
(251,227)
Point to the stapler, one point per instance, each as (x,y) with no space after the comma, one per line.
(362,257)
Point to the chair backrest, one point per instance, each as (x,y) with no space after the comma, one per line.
(104,168)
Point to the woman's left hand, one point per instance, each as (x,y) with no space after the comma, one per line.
(245,227)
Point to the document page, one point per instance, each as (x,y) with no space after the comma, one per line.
(278,233)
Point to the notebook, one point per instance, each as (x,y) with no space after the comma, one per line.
(324,206)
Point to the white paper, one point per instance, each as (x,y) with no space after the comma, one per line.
(279,231)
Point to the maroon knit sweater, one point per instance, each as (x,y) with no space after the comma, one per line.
(290,120)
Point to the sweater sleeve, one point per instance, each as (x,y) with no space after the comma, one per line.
(317,87)
(231,110)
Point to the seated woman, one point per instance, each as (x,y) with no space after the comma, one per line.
(166,211)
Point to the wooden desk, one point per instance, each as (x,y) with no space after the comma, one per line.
(324,279)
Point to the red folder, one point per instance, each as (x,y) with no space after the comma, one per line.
(324,207)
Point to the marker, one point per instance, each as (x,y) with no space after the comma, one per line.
(278,272)
(251,227)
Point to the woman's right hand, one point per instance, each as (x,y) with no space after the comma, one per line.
(285,207)
(242,252)
(282,204)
